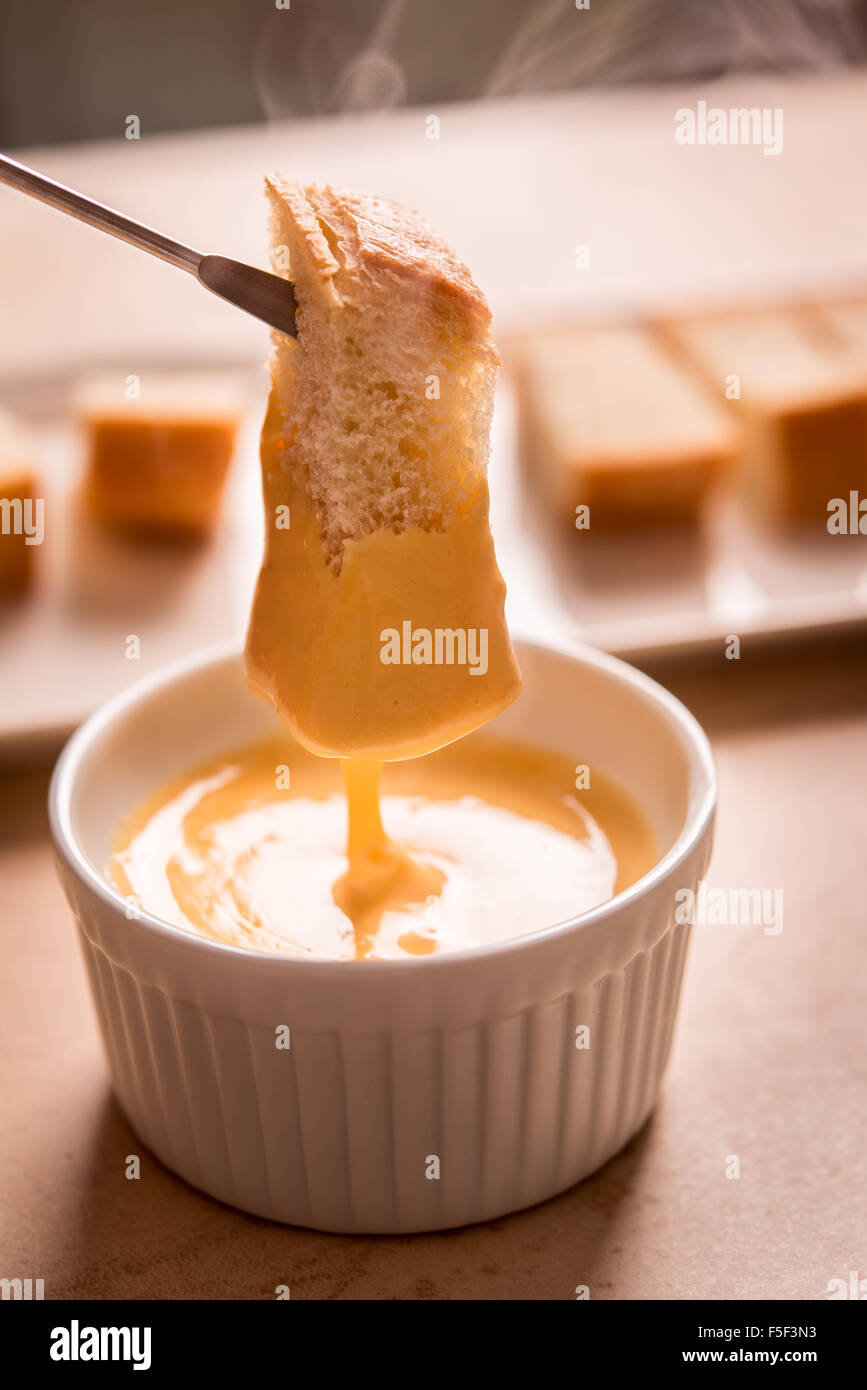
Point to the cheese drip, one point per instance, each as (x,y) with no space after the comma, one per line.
(381,875)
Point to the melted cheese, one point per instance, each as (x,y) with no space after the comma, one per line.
(400,651)
(490,841)
(315,644)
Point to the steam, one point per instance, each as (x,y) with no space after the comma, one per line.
(337,59)
(674,40)
(334,56)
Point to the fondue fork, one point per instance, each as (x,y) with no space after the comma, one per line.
(266,297)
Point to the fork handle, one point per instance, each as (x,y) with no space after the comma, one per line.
(57,195)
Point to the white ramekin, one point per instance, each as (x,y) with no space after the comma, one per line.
(468,1057)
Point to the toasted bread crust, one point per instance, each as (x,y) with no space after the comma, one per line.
(350,238)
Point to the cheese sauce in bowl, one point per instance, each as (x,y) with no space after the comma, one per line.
(485,840)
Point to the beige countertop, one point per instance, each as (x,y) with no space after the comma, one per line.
(769,1065)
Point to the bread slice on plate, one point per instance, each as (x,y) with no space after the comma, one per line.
(158,451)
(610,423)
(801,402)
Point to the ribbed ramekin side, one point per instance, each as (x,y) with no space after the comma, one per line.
(583,1080)
(393,1131)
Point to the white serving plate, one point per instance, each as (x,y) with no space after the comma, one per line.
(644,597)
(63,647)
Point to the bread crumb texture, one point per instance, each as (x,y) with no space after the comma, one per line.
(386,394)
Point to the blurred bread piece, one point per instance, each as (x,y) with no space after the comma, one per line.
(18,503)
(156,463)
(610,421)
(802,406)
(376,445)
(842,327)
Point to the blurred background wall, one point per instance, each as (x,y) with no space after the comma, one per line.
(75,70)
